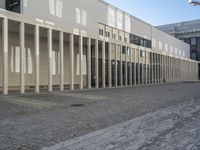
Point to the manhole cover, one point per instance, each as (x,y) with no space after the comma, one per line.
(77,105)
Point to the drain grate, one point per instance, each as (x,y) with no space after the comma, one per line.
(77,105)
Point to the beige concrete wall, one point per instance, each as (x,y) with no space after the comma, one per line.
(14,77)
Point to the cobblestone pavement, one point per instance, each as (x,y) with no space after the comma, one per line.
(146,117)
(173,128)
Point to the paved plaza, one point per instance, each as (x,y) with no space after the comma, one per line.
(145,117)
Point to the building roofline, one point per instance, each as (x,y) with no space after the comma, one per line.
(108,4)
(178,22)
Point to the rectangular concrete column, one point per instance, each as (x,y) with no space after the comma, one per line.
(135,66)
(96,64)
(176,70)
(142,71)
(89,62)
(146,71)
(80,62)
(5,55)
(37,58)
(131,68)
(161,76)
(156,68)
(139,67)
(103,65)
(173,65)
(61,47)
(163,68)
(109,64)
(126,74)
(121,71)
(167,69)
(22,56)
(179,70)
(116,71)
(49,37)
(149,70)
(71,61)
(152,68)
(159,69)
(170,70)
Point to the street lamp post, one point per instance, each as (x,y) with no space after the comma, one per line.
(194,2)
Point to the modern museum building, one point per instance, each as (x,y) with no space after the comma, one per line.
(79,44)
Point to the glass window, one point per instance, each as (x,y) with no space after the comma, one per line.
(194,56)
(114,36)
(107,34)
(119,37)
(125,39)
(101,32)
(193,41)
(123,50)
(134,39)
(13,5)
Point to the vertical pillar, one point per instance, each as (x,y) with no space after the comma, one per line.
(121,71)
(166,69)
(146,73)
(172,65)
(109,64)
(160,65)
(89,62)
(96,64)
(126,74)
(142,71)
(164,78)
(131,68)
(103,65)
(149,67)
(135,82)
(152,68)
(61,47)
(169,71)
(159,68)
(156,68)
(50,59)
(37,59)
(72,61)
(5,55)
(80,62)
(22,57)
(139,67)
(116,71)
(126,68)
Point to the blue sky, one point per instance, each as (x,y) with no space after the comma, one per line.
(158,12)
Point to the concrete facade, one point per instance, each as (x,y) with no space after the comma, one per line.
(72,44)
(188,32)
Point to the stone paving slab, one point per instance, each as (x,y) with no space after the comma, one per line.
(32,121)
(176,127)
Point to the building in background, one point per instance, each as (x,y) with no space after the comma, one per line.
(188,32)
(66,44)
